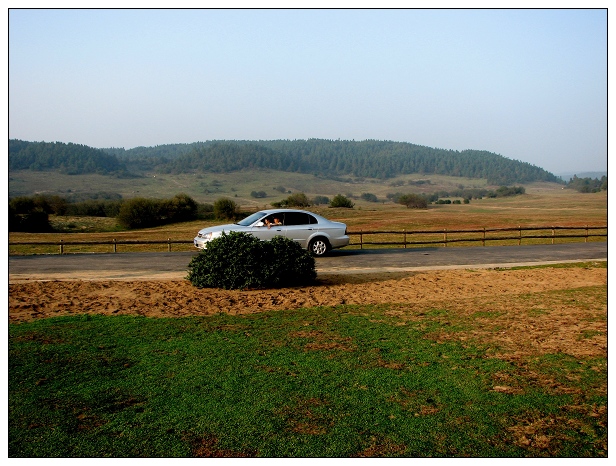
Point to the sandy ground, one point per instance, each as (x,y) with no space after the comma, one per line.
(507,295)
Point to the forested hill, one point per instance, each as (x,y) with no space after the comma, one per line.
(73,159)
(369,159)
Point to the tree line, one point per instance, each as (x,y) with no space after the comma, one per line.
(588,185)
(72,159)
(326,158)
(329,158)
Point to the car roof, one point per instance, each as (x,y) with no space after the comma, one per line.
(272,211)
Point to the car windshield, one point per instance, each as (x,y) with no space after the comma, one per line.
(251,219)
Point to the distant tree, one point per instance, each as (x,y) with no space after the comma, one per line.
(294,200)
(225,208)
(139,212)
(258,194)
(413,201)
(588,185)
(505,191)
(369,197)
(181,208)
(319,200)
(341,201)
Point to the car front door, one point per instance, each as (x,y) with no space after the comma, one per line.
(265,233)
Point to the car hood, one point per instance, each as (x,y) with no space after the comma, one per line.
(227,227)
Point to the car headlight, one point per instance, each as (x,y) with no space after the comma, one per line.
(205,236)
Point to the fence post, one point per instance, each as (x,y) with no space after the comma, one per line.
(445,236)
(61,246)
(115,245)
(520,237)
(404,238)
(483,241)
(361,239)
(586,238)
(553,234)
(168,244)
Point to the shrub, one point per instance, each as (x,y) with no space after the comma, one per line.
(341,201)
(138,212)
(225,208)
(369,197)
(294,200)
(34,221)
(181,208)
(318,200)
(258,194)
(239,260)
(413,201)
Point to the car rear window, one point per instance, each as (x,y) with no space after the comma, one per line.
(299,218)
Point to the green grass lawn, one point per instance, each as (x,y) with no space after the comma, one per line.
(322,382)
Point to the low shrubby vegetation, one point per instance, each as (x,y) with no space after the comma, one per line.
(31,213)
(238,261)
(588,185)
(144,213)
(341,201)
(225,209)
(294,200)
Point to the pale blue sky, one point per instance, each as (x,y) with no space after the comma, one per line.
(530,85)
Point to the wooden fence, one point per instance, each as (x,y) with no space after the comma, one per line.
(404,238)
(449,236)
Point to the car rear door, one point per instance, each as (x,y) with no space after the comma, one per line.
(300,226)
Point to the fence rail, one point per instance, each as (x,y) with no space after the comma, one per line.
(447,238)
(406,237)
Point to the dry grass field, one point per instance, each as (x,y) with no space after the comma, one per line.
(544,204)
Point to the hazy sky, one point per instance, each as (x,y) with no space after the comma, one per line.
(530,85)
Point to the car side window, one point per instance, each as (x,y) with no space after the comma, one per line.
(297,218)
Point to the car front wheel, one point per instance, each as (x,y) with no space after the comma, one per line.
(318,246)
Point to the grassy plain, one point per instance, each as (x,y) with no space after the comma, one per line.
(520,373)
(544,204)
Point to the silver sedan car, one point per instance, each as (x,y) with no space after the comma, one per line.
(313,232)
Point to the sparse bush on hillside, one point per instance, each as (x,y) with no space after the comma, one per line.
(505,191)
(258,194)
(319,200)
(341,201)
(369,197)
(294,200)
(238,261)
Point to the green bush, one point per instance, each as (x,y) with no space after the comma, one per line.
(139,212)
(144,213)
(239,260)
(369,197)
(294,200)
(318,200)
(414,201)
(341,201)
(225,208)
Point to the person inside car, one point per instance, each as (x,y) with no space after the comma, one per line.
(273,223)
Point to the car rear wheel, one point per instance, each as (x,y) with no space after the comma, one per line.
(318,246)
